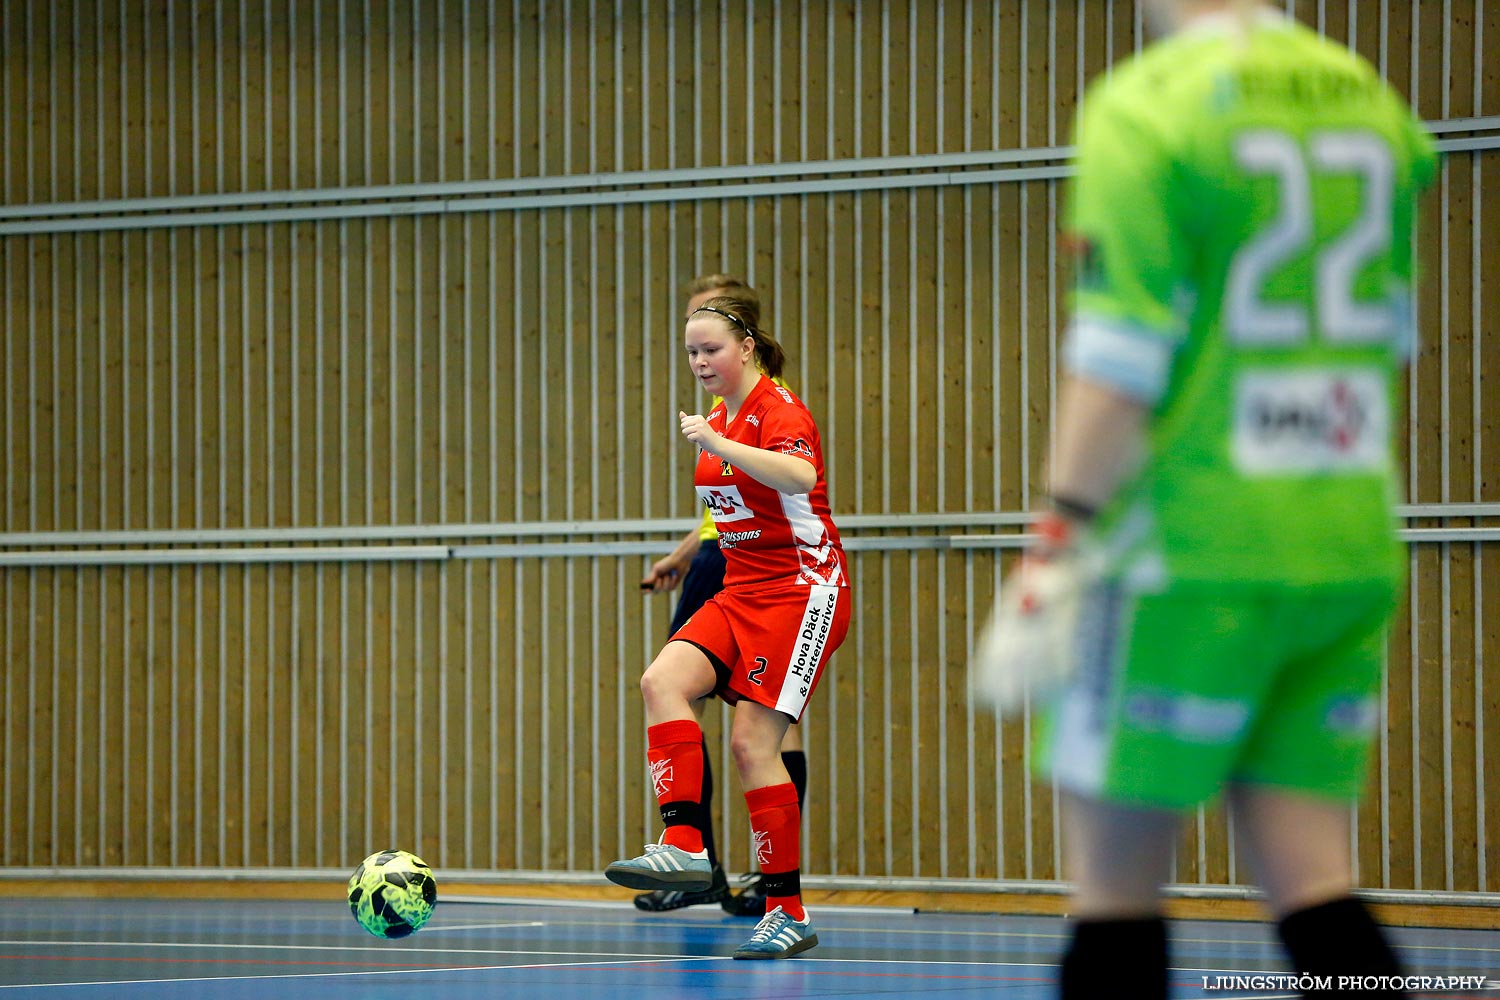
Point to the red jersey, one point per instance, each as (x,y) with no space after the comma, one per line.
(770,537)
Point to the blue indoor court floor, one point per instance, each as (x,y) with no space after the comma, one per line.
(192,948)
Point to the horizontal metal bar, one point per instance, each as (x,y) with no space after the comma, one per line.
(547,550)
(1410,510)
(203,557)
(680,176)
(556,182)
(1016,541)
(1483,123)
(535,529)
(954,519)
(517,203)
(588,199)
(529,550)
(533,550)
(355,533)
(490,876)
(1427,535)
(505,529)
(1413,535)
(1475,145)
(600,199)
(903,543)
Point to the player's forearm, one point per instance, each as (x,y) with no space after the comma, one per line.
(687,548)
(1099,439)
(783,473)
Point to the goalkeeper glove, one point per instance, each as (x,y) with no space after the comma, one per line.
(1027,647)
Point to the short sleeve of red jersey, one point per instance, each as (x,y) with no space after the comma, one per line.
(789,429)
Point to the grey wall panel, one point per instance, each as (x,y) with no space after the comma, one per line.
(429,367)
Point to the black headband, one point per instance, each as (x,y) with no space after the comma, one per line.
(729,316)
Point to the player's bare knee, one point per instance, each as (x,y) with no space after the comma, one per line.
(751,754)
(658,688)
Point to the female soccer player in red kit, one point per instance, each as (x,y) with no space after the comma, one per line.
(762,642)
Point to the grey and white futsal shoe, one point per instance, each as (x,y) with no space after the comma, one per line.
(663,867)
(779,936)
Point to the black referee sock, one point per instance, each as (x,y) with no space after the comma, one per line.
(706,817)
(1118,959)
(1339,938)
(795,762)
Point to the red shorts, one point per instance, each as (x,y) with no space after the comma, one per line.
(770,645)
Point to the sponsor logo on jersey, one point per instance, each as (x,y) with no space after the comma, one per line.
(724,503)
(1190,718)
(812,637)
(661,776)
(798,447)
(1352,717)
(752,420)
(1310,421)
(725,469)
(729,539)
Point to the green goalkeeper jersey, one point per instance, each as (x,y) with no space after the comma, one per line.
(1242,213)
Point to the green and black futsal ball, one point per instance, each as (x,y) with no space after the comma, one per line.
(392,893)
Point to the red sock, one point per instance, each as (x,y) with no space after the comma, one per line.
(776,831)
(675,755)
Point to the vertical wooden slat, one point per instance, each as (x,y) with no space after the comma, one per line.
(1007,378)
(954,468)
(1425,30)
(451,334)
(1461,843)
(1486,593)
(65,434)
(12,103)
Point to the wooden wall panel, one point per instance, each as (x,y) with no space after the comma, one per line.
(525,365)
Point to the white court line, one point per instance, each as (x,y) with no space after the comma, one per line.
(488,968)
(328,975)
(383,949)
(627,957)
(570,904)
(617,905)
(483,927)
(1041,935)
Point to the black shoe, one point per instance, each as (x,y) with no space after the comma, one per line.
(749,901)
(673,899)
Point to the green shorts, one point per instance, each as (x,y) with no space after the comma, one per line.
(1181,691)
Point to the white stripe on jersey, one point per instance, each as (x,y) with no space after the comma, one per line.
(1134,359)
(807,653)
(814,550)
(1087,721)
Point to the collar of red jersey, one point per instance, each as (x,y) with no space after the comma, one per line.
(764,385)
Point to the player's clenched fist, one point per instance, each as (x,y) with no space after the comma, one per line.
(695,428)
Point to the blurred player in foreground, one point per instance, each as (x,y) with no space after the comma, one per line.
(699,565)
(1206,608)
(761,643)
